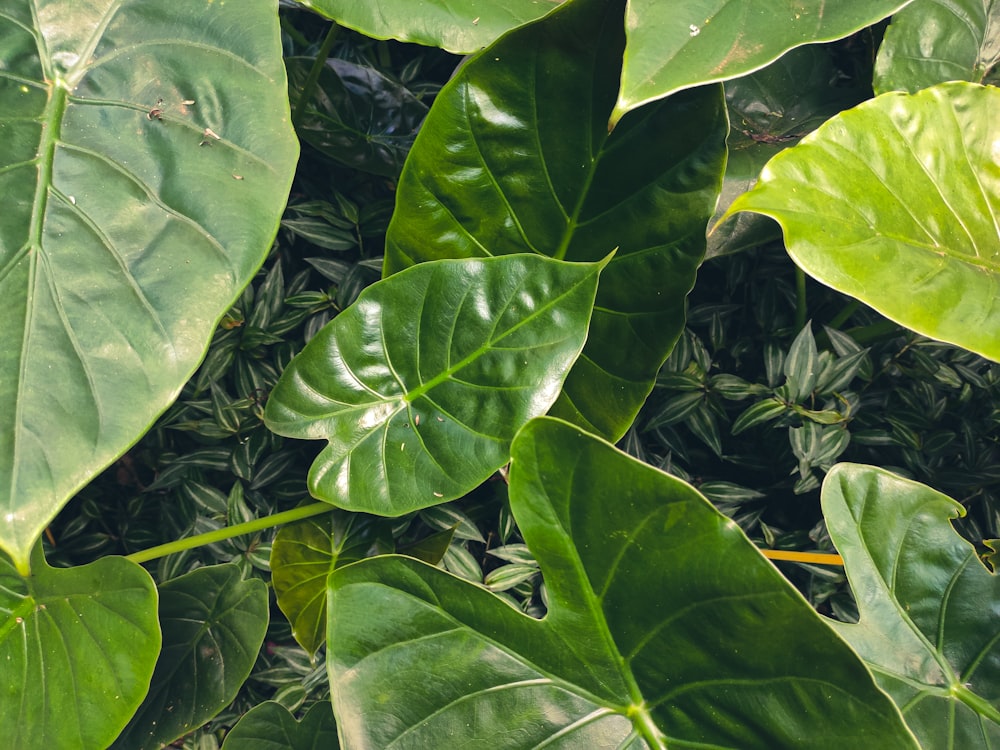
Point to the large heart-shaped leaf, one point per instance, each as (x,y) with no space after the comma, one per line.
(515,157)
(269,726)
(896,203)
(421,385)
(769,111)
(213,625)
(933,41)
(676,45)
(455,25)
(122,239)
(666,628)
(930,610)
(77,649)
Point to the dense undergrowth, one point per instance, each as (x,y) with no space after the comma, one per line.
(727,413)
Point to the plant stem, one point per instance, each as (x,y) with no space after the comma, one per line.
(816,558)
(800,299)
(210,537)
(305,95)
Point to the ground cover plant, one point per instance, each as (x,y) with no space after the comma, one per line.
(392,513)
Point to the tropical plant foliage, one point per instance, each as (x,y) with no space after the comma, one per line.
(450,566)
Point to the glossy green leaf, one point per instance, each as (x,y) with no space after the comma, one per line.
(66,680)
(929,609)
(933,41)
(269,726)
(896,203)
(676,45)
(302,556)
(420,386)
(357,116)
(769,111)
(213,626)
(455,25)
(515,157)
(666,628)
(122,239)
(801,365)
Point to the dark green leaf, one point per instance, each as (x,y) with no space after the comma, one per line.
(421,385)
(666,628)
(516,157)
(213,626)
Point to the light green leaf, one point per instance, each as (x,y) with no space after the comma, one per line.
(515,157)
(769,111)
(67,681)
(896,203)
(929,609)
(455,25)
(666,629)
(420,386)
(933,41)
(213,626)
(302,556)
(122,240)
(677,45)
(269,726)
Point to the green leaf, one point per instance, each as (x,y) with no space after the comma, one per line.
(67,679)
(122,240)
(769,111)
(763,411)
(895,203)
(213,626)
(676,45)
(933,41)
(420,385)
(302,556)
(666,628)
(269,726)
(515,157)
(357,116)
(928,607)
(459,26)
(801,365)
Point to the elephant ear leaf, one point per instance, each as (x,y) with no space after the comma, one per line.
(929,624)
(665,628)
(685,43)
(145,161)
(895,202)
(420,386)
(66,680)
(515,156)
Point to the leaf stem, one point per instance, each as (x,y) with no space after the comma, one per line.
(305,95)
(816,558)
(210,537)
(800,299)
